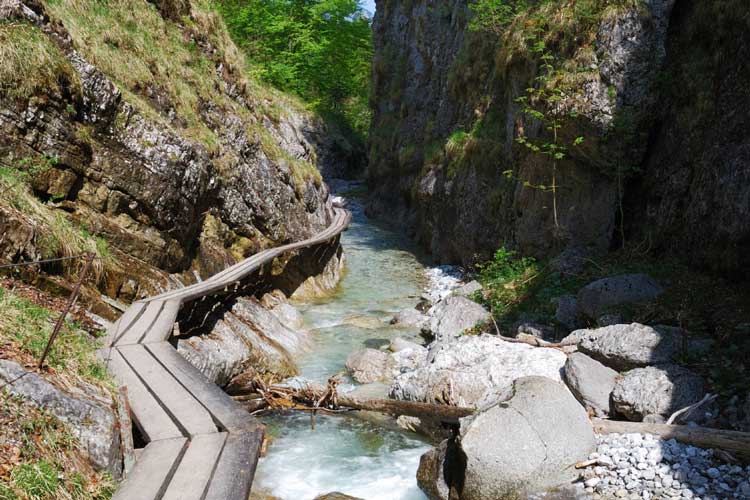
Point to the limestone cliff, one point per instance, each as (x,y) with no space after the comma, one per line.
(161,145)
(654,89)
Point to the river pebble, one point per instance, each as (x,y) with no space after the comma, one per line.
(643,467)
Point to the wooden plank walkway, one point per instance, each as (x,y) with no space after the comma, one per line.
(201,444)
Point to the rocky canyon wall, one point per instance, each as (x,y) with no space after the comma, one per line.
(161,145)
(654,90)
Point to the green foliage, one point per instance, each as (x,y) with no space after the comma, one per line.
(507,280)
(494,15)
(319,49)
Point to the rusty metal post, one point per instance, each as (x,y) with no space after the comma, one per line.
(68,306)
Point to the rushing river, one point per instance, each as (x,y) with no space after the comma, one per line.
(348,454)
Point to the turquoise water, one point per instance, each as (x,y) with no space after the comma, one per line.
(345,453)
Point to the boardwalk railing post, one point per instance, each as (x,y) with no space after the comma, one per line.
(68,306)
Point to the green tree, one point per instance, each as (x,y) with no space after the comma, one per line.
(318,49)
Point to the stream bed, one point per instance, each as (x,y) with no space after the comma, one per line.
(369,459)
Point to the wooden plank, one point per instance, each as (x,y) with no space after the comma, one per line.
(186,411)
(138,329)
(191,480)
(226,412)
(153,471)
(161,330)
(236,467)
(123,323)
(735,442)
(153,422)
(126,432)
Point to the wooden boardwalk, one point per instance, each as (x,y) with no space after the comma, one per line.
(201,444)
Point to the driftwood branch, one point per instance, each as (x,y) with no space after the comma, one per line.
(706,399)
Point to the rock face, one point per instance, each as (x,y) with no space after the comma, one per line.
(527,443)
(470,370)
(590,382)
(623,347)
(656,392)
(455,314)
(246,335)
(178,189)
(433,80)
(90,420)
(608,294)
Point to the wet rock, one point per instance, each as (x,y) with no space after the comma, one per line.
(454,315)
(399,344)
(471,369)
(289,316)
(656,391)
(369,365)
(409,318)
(336,496)
(590,382)
(531,454)
(606,295)
(90,420)
(430,474)
(634,345)
(363,321)
(245,334)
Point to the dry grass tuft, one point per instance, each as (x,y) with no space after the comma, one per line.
(30,63)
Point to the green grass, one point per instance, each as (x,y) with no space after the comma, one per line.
(27,326)
(31,63)
(46,462)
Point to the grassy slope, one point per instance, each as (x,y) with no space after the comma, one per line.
(39,457)
(144,54)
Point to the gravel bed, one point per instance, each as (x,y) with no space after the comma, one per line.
(641,466)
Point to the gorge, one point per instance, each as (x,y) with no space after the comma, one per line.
(550,206)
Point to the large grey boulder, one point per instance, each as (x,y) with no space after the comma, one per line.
(369,365)
(656,392)
(90,420)
(410,318)
(527,443)
(566,312)
(246,334)
(590,382)
(372,365)
(634,345)
(469,370)
(454,315)
(607,294)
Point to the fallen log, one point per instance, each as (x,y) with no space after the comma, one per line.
(735,442)
(315,397)
(444,413)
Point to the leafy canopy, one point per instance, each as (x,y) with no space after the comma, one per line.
(318,49)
